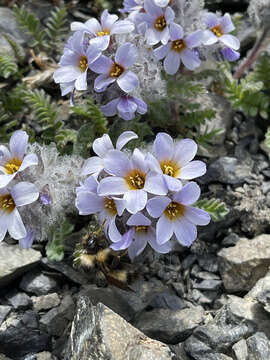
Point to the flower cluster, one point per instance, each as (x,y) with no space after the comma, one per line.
(151,189)
(103,55)
(15,193)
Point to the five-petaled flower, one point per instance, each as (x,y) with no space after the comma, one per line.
(136,238)
(12,160)
(218,30)
(101,32)
(101,146)
(177,216)
(111,71)
(21,194)
(125,106)
(180,49)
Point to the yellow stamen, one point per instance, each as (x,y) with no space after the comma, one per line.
(13,165)
(7,203)
(103,32)
(160,23)
(116,70)
(217,30)
(170,167)
(178,45)
(174,211)
(109,204)
(135,179)
(141,228)
(83,63)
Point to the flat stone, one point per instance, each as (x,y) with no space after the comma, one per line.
(19,300)
(244,264)
(4,311)
(66,270)
(38,284)
(230,240)
(208,285)
(170,326)
(261,292)
(258,347)
(99,333)
(3,357)
(240,350)
(45,302)
(167,300)
(14,261)
(45,355)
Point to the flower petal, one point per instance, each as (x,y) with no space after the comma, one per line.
(4,154)
(162,3)
(176,32)
(18,143)
(230,54)
(126,105)
(226,23)
(151,8)
(24,193)
(157,205)
(189,194)
(126,55)
(29,160)
(165,36)
(6,179)
(163,249)
(81,82)
(27,241)
(230,41)
(117,163)
(124,138)
(90,184)
(152,36)
(192,170)
(211,20)
(16,227)
(172,183)
(128,81)
(4,221)
(135,200)
(138,160)
(153,164)
(110,109)
(107,19)
(172,62)
(120,206)
(138,245)
(102,145)
(161,51)
(91,25)
(154,184)
(185,232)
(102,82)
(92,165)
(138,219)
(194,39)
(66,74)
(112,186)
(190,59)
(163,146)
(114,234)
(164,230)
(88,203)
(197,216)
(102,65)
(125,242)
(209,38)
(185,150)
(99,43)
(169,15)
(122,27)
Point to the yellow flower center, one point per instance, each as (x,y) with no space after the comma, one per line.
(217,30)
(83,63)
(170,167)
(160,23)
(178,45)
(110,205)
(13,165)
(7,203)
(135,179)
(141,228)
(103,32)
(174,210)
(116,70)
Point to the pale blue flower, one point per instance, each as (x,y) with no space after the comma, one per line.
(101,146)
(21,194)
(136,238)
(27,241)
(230,54)
(125,106)
(101,32)
(111,71)
(132,5)
(12,160)
(176,216)
(179,49)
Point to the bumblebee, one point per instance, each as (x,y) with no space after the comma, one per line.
(94,255)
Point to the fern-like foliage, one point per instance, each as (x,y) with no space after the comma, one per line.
(30,24)
(216,208)
(18,52)
(8,66)
(56,25)
(261,72)
(7,124)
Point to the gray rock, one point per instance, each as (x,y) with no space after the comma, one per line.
(4,311)
(258,347)
(19,300)
(170,326)
(18,340)
(56,320)
(227,170)
(208,262)
(3,357)
(167,300)
(230,240)
(261,292)
(30,319)
(203,298)
(99,333)
(14,261)
(207,285)
(45,302)
(240,350)
(66,270)
(45,355)
(179,351)
(38,284)
(244,264)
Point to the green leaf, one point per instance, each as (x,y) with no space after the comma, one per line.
(55,246)
(8,66)
(215,208)
(56,28)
